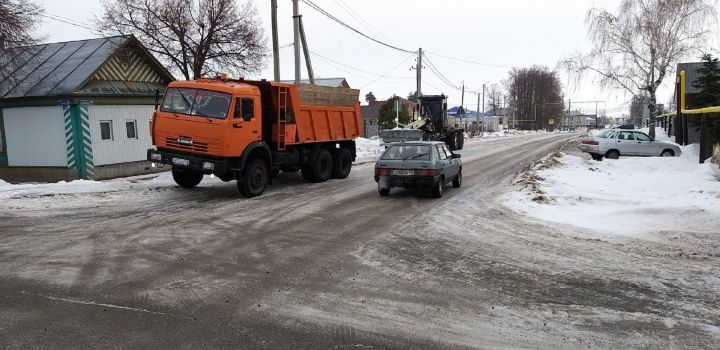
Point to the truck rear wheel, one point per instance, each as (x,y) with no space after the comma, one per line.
(319,167)
(255,178)
(186,177)
(341,163)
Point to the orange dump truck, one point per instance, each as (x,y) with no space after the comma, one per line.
(249,131)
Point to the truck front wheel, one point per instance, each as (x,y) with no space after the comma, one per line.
(187,178)
(254,179)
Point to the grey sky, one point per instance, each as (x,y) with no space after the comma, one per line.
(509,33)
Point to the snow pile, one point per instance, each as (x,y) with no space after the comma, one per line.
(368,149)
(4,184)
(631,196)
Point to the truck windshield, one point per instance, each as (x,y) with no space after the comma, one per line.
(206,103)
(407,152)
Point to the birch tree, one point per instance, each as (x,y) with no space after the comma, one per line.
(637,47)
(18,20)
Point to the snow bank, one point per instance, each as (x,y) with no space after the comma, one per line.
(629,196)
(368,149)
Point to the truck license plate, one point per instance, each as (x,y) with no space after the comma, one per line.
(403,172)
(180,161)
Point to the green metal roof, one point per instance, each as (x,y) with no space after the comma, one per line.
(72,68)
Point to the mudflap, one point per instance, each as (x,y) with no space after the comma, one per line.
(384,182)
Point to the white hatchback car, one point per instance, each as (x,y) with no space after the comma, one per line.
(615,143)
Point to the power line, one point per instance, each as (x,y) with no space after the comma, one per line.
(68,21)
(327,14)
(353,68)
(439,74)
(468,61)
(358,18)
(390,71)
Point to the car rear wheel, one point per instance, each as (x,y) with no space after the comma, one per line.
(667,153)
(187,178)
(458,180)
(438,188)
(613,154)
(384,191)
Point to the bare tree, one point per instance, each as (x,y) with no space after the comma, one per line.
(636,48)
(638,106)
(494,98)
(535,96)
(18,20)
(194,37)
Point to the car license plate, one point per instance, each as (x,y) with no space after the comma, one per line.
(180,161)
(403,172)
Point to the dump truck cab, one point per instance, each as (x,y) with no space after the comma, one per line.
(208,117)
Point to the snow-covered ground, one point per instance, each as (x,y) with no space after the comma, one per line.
(632,196)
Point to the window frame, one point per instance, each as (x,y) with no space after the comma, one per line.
(135,129)
(112,134)
(441,152)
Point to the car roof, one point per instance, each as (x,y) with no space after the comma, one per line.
(417,143)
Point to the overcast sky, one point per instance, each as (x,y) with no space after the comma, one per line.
(497,34)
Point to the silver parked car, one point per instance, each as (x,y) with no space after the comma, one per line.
(615,143)
(418,164)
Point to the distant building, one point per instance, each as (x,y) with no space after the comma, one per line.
(577,119)
(78,109)
(370,120)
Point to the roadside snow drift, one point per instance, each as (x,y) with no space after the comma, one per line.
(631,196)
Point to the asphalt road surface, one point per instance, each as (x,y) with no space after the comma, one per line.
(334,265)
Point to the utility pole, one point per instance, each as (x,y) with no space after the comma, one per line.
(483,106)
(478,110)
(462,99)
(418,92)
(596,115)
(296,44)
(276,47)
(306,50)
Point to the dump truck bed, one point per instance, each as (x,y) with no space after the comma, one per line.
(314,113)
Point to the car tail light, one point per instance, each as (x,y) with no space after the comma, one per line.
(382,171)
(425,172)
(590,142)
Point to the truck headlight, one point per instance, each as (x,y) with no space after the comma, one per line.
(208,166)
(156,156)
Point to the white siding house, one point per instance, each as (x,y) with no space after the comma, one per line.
(78,109)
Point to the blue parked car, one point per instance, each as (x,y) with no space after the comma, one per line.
(428,164)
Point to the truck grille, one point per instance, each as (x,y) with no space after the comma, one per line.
(194,146)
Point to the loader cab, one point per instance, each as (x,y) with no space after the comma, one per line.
(435,108)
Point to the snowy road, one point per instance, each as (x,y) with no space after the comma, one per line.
(334,265)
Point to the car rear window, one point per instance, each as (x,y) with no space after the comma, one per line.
(605,134)
(407,152)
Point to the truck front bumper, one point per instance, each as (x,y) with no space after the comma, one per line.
(184,161)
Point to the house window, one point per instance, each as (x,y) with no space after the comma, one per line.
(131,129)
(106,130)
(1,143)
